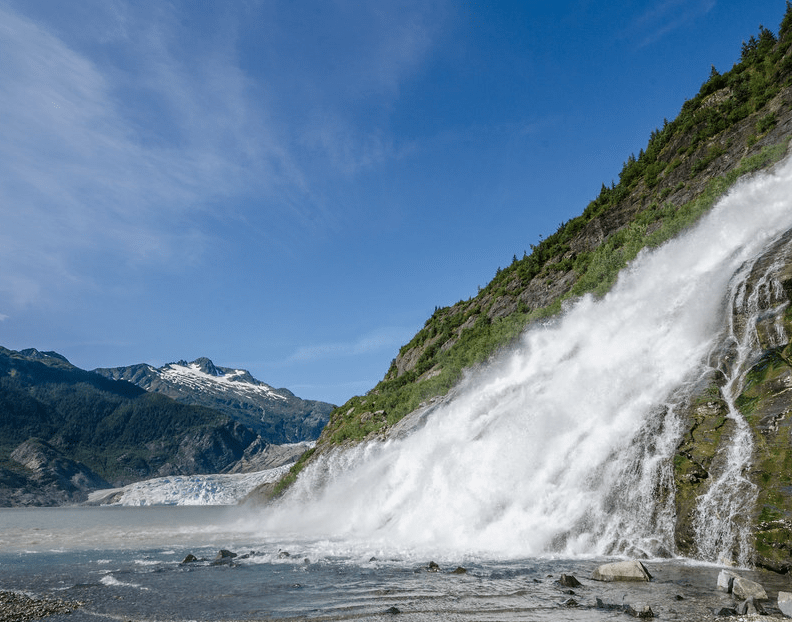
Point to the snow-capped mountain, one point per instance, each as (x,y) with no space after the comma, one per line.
(277,415)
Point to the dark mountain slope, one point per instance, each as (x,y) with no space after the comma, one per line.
(276,414)
(100,427)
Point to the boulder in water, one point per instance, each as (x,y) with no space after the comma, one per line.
(725,611)
(639,611)
(750,606)
(743,589)
(601,604)
(725,580)
(459,570)
(224,558)
(568,580)
(433,567)
(622,571)
(785,603)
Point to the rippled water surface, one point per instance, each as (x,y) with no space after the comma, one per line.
(125,564)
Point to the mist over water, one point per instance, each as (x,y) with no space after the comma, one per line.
(564,445)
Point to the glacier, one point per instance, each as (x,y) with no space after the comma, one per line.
(211,489)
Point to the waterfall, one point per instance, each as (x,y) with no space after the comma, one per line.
(565,444)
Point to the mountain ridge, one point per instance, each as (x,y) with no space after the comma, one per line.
(277,415)
(65,431)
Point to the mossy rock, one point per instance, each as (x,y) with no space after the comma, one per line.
(706,424)
(767,405)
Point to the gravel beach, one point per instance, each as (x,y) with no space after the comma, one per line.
(15,607)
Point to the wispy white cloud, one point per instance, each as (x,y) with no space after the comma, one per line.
(123,122)
(78,180)
(382,339)
(667,16)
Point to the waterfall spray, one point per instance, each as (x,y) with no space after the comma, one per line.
(565,444)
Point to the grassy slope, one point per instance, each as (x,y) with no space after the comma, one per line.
(737,123)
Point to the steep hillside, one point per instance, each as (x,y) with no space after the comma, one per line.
(65,431)
(277,415)
(739,122)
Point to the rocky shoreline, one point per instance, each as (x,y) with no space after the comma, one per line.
(617,590)
(16,607)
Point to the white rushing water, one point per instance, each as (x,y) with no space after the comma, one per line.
(564,446)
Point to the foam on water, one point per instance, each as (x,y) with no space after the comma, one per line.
(564,445)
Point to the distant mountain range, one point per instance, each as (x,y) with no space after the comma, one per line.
(276,414)
(65,431)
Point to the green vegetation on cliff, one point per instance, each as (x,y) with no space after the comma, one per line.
(739,122)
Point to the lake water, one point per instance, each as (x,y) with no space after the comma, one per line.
(124,564)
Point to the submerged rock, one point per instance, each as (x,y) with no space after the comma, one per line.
(622,571)
(725,612)
(459,570)
(601,604)
(567,580)
(639,611)
(224,558)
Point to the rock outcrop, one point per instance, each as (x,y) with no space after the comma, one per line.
(50,477)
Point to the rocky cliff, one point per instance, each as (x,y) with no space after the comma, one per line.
(749,380)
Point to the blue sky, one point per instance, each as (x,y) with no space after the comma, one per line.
(292,187)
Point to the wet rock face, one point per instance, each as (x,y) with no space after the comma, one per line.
(766,403)
(764,400)
(708,427)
